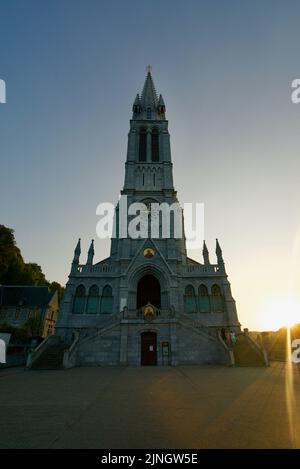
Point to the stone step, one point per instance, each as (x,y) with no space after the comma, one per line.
(245,354)
(51,358)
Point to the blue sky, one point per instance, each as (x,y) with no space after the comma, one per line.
(72,69)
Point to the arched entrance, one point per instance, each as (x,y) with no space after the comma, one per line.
(148,291)
(148,348)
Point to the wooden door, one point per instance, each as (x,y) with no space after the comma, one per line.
(148,348)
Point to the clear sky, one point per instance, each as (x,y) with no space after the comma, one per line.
(72,69)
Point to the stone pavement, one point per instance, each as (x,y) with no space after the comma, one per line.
(150,407)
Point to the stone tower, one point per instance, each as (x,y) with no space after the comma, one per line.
(148,303)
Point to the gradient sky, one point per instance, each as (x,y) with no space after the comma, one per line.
(72,69)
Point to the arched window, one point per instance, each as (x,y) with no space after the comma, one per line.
(143,145)
(154,145)
(189,291)
(216,299)
(149,113)
(216,290)
(190,300)
(93,300)
(203,300)
(107,300)
(79,300)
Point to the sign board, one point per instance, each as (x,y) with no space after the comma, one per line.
(165,348)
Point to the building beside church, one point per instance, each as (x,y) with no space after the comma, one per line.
(148,303)
(21,303)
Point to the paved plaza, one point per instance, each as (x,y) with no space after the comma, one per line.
(151,407)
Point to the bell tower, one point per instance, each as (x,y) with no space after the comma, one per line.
(148,165)
(149,174)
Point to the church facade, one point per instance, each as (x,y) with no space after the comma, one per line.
(148,303)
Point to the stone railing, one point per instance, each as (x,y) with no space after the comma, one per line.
(139,314)
(255,346)
(202,269)
(102,268)
(37,352)
(229,351)
(69,358)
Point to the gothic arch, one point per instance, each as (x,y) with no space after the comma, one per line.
(155,271)
(216,299)
(107,299)
(203,299)
(190,305)
(143,144)
(92,306)
(155,145)
(79,300)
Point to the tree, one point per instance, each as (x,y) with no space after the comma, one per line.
(13,269)
(12,265)
(35,274)
(55,286)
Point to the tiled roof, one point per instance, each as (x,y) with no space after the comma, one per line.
(19,295)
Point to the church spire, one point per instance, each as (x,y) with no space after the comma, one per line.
(136,108)
(205,254)
(91,254)
(76,256)
(148,106)
(219,254)
(148,142)
(149,96)
(77,251)
(161,107)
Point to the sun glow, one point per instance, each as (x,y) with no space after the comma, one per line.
(280,310)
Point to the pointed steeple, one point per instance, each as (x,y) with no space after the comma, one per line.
(161,107)
(137,100)
(136,108)
(91,254)
(149,96)
(149,142)
(161,101)
(205,254)
(219,253)
(77,252)
(148,106)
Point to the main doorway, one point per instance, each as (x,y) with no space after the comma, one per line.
(148,348)
(148,291)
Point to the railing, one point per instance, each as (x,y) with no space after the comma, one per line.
(37,352)
(105,268)
(262,351)
(203,269)
(69,359)
(108,320)
(228,349)
(139,313)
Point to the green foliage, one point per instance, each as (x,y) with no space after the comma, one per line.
(13,269)
(18,333)
(12,266)
(55,286)
(33,326)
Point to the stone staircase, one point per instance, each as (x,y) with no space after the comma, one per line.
(51,358)
(247,353)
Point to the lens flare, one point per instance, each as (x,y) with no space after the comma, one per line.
(280,310)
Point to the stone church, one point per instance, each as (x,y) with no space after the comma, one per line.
(148,303)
